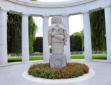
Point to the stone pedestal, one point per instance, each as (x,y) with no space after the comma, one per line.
(58,61)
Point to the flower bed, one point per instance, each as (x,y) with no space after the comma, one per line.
(72,70)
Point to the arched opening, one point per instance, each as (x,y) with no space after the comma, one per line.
(76,36)
(38,42)
(98,34)
(14,30)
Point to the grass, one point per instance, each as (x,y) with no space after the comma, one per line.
(103,57)
(20,59)
(36,58)
(14,59)
(77,57)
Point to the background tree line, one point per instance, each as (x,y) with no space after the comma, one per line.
(98,30)
(75,39)
(14,34)
(97,20)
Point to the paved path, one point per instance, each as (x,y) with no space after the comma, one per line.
(12,74)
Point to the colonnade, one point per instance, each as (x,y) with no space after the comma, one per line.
(25,38)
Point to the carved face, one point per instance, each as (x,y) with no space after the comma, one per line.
(56,20)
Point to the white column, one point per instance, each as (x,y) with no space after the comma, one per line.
(87,37)
(3,37)
(67,46)
(108,31)
(45,39)
(25,39)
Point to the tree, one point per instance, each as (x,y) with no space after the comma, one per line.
(32,32)
(14,33)
(82,37)
(97,20)
(38,46)
(76,42)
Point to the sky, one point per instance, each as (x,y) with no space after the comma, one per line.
(75,24)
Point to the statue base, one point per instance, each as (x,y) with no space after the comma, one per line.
(58,61)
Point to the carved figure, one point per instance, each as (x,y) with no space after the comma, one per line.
(57,36)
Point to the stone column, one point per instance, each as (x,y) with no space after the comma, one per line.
(108,31)
(87,37)
(67,46)
(3,37)
(46,53)
(25,38)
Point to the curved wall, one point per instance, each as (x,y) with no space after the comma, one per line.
(48,9)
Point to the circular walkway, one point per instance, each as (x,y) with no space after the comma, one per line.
(12,74)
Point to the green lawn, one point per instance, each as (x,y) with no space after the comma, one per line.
(72,57)
(104,57)
(20,59)
(77,57)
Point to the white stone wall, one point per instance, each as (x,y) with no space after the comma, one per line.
(68,8)
(49,9)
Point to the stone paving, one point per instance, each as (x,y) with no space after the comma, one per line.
(12,74)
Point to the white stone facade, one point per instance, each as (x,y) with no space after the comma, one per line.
(65,9)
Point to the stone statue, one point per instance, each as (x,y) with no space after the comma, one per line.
(57,36)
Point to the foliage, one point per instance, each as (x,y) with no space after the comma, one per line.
(38,44)
(14,33)
(98,32)
(82,37)
(76,42)
(97,20)
(72,70)
(32,32)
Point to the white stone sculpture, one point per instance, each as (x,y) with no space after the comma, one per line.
(57,36)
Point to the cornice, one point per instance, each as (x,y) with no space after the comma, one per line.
(51,4)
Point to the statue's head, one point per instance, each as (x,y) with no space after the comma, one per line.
(57,20)
(57,29)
